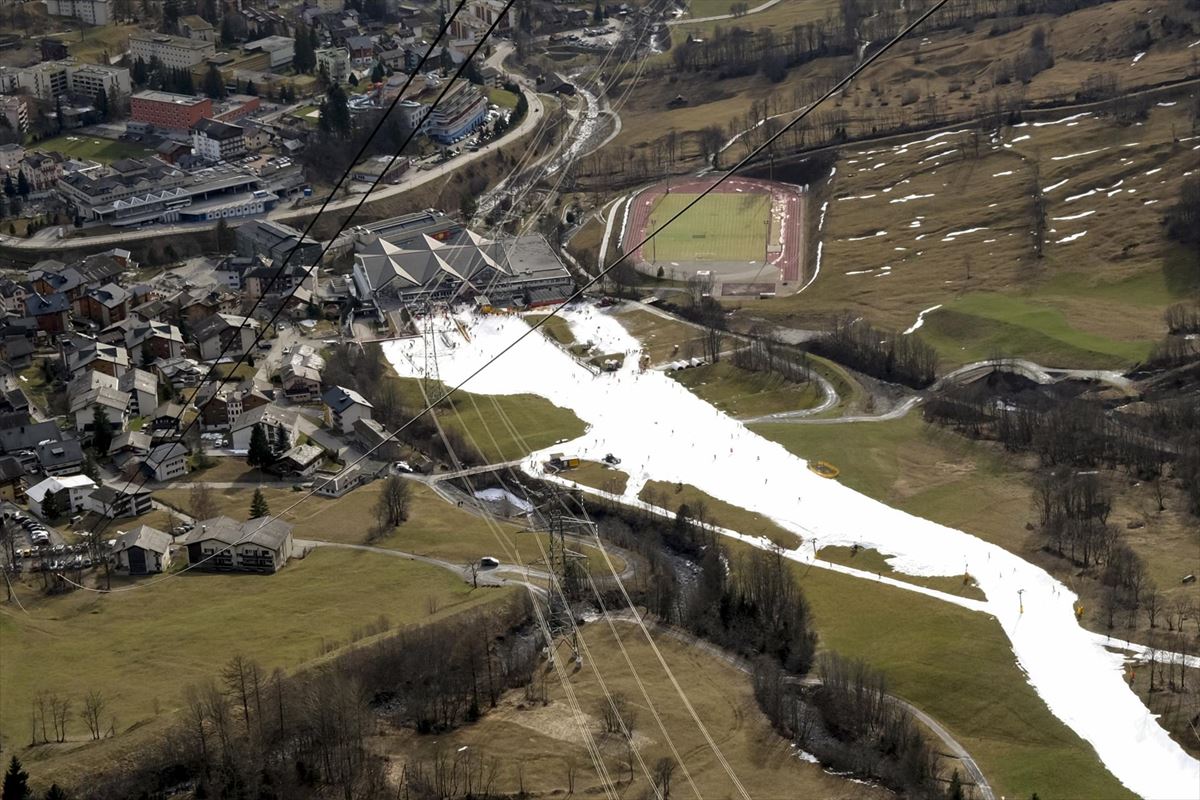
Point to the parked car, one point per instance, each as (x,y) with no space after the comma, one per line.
(489,562)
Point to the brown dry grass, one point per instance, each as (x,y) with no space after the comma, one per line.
(541,741)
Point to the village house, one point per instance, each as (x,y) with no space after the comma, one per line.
(142,388)
(343,407)
(12,480)
(104,305)
(51,311)
(302,460)
(115,405)
(279,424)
(167,461)
(142,551)
(225,335)
(70,491)
(222,544)
(117,503)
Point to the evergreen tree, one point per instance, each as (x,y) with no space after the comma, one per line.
(102,103)
(139,72)
(304,58)
(260,449)
(335,113)
(56,793)
(251,89)
(225,237)
(378,73)
(214,84)
(598,14)
(282,444)
(16,782)
(10,188)
(51,509)
(58,112)
(102,431)
(258,505)
(22,185)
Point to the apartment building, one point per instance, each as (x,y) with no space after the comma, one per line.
(218,141)
(93,12)
(173,51)
(460,112)
(51,79)
(169,111)
(14,110)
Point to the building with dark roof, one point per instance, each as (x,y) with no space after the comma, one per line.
(214,140)
(142,551)
(256,545)
(275,241)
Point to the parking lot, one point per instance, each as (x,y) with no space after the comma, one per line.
(39,546)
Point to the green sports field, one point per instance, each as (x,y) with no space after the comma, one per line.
(721,227)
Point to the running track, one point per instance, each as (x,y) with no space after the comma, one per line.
(787,262)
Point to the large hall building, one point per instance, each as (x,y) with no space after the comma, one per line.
(430,257)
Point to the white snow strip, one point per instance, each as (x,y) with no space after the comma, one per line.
(939,155)
(909,197)
(1080,215)
(860,272)
(1060,121)
(856,197)
(1072,237)
(1054,186)
(1138,58)
(1022,138)
(661,430)
(921,318)
(1165,105)
(1075,197)
(1079,155)
(950,237)
(496,495)
(863,238)
(1193,44)
(1149,202)
(1152,171)
(1002,174)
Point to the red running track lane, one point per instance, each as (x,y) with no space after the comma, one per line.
(788,262)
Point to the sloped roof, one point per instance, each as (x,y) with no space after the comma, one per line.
(424,259)
(267,532)
(145,537)
(339,398)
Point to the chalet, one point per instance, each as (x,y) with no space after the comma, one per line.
(153,339)
(127,501)
(59,456)
(113,402)
(224,335)
(374,439)
(70,490)
(167,461)
(142,388)
(17,351)
(303,460)
(179,371)
(280,426)
(344,481)
(50,311)
(105,305)
(257,545)
(12,480)
(219,411)
(142,551)
(165,421)
(343,406)
(81,353)
(12,296)
(135,442)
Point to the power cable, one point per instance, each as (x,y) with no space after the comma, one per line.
(362,200)
(603,272)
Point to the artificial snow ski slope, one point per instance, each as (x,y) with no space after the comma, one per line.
(661,430)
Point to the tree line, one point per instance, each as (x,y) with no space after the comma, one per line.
(254,733)
(881,354)
(849,723)
(1078,432)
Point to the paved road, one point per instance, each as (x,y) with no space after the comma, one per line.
(489,577)
(412,181)
(953,747)
(719,17)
